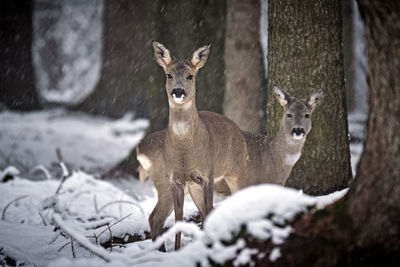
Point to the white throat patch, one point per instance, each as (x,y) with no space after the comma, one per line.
(180,128)
(144,161)
(291,159)
(185,106)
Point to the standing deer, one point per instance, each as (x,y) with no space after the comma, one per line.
(196,147)
(271,159)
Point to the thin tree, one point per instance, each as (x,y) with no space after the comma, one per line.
(243,64)
(304,54)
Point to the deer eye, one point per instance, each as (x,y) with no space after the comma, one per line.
(169,76)
(190,77)
(289,115)
(307,116)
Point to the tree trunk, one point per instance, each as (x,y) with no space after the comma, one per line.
(243,64)
(305,53)
(375,196)
(364,228)
(121,88)
(17,83)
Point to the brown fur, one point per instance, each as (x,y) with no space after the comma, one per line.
(194,149)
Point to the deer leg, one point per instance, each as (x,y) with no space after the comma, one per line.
(159,214)
(196,192)
(178,194)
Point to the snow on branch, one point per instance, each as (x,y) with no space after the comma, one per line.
(82,241)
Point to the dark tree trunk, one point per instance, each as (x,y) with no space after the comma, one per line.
(122,86)
(304,54)
(243,63)
(17,84)
(364,228)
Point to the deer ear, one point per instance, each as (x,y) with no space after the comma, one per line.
(200,56)
(281,96)
(162,54)
(315,99)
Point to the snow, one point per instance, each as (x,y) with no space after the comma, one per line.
(85,204)
(29,141)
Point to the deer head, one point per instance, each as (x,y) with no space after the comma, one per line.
(296,121)
(180,74)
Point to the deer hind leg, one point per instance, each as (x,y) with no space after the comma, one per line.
(178,195)
(160,213)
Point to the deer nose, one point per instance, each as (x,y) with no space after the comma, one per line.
(178,93)
(298,131)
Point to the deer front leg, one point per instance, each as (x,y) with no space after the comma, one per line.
(178,195)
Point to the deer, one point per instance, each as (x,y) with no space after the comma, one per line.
(197,147)
(271,159)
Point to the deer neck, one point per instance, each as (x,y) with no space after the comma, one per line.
(286,150)
(183,119)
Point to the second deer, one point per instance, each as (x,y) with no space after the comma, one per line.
(196,147)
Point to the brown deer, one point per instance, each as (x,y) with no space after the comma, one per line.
(196,147)
(271,159)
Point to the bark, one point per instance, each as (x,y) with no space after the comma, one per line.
(17,84)
(364,228)
(305,53)
(121,88)
(243,63)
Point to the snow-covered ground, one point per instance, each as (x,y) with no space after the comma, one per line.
(29,141)
(38,224)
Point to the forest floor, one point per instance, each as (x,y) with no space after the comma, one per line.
(42,225)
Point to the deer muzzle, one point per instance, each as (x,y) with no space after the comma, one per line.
(298,133)
(178,94)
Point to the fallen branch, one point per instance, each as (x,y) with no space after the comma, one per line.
(9,204)
(83,242)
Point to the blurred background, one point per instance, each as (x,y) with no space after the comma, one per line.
(79,76)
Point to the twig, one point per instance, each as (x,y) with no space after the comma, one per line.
(122,201)
(42,217)
(43,169)
(64,168)
(111,237)
(72,248)
(54,239)
(63,246)
(114,224)
(81,240)
(8,205)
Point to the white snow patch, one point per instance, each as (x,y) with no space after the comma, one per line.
(94,144)
(275,254)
